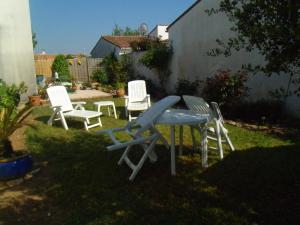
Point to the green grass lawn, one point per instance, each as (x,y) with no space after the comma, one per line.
(259,183)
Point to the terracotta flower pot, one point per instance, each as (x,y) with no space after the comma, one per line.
(120,92)
(35,100)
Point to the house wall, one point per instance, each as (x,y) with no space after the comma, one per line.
(16,51)
(160,32)
(194,34)
(141,70)
(104,48)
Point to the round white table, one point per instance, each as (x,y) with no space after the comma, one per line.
(173,117)
(108,104)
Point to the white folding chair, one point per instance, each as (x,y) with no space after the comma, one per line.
(215,129)
(143,133)
(137,99)
(63,108)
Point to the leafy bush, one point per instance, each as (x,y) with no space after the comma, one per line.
(158,58)
(60,65)
(100,76)
(142,45)
(225,87)
(186,87)
(116,70)
(9,114)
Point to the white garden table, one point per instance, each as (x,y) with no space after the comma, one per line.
(108,104)
(173,117)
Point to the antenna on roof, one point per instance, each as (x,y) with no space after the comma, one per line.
(143,29)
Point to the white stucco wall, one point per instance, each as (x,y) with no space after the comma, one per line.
(160,31)
(140,69)
(193,35)
(16,51)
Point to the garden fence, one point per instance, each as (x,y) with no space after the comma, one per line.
(81,69)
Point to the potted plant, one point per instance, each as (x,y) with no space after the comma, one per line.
(12,164)
(35,99)
(42,91)
(120,89)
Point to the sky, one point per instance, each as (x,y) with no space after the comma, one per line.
(75,26)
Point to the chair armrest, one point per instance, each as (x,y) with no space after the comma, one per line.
(56,107)
(78,105)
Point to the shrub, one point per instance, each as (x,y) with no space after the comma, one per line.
(225,87)
(60,65)
(100,76)
(142,45)
(158,58)
(186,87)
(116,70)
(10,116)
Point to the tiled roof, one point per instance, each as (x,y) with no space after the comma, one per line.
(122,41)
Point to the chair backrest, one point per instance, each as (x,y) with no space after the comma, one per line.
(137,90)
(58,96)
(150,115)
(217,111)
(198,104)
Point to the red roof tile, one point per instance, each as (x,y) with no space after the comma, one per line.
(122,41)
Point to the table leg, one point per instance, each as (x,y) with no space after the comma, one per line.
(180,139)
(204,146)
(108,110)
(114,108)
(173,166)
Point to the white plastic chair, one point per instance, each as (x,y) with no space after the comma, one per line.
(137,99)
(63,108)
(216,130)
(143,133)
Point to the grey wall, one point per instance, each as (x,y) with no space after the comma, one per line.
(195,34)
(16,51)
(104,48)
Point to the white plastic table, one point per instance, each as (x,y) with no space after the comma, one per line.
(108,104)
(182,117)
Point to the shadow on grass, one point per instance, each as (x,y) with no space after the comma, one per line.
(82,184)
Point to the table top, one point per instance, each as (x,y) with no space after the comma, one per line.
(182,117)
(104,103)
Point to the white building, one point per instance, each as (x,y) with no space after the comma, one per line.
(159,32)
(16,51)
(118,44)
(193,34)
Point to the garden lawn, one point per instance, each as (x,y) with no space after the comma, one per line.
(81,184)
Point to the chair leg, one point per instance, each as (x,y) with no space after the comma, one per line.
(144,157)
(125,153)
(219,138)
(129,116)
(50,120)
(63,120)
(86,122)
(225,133)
